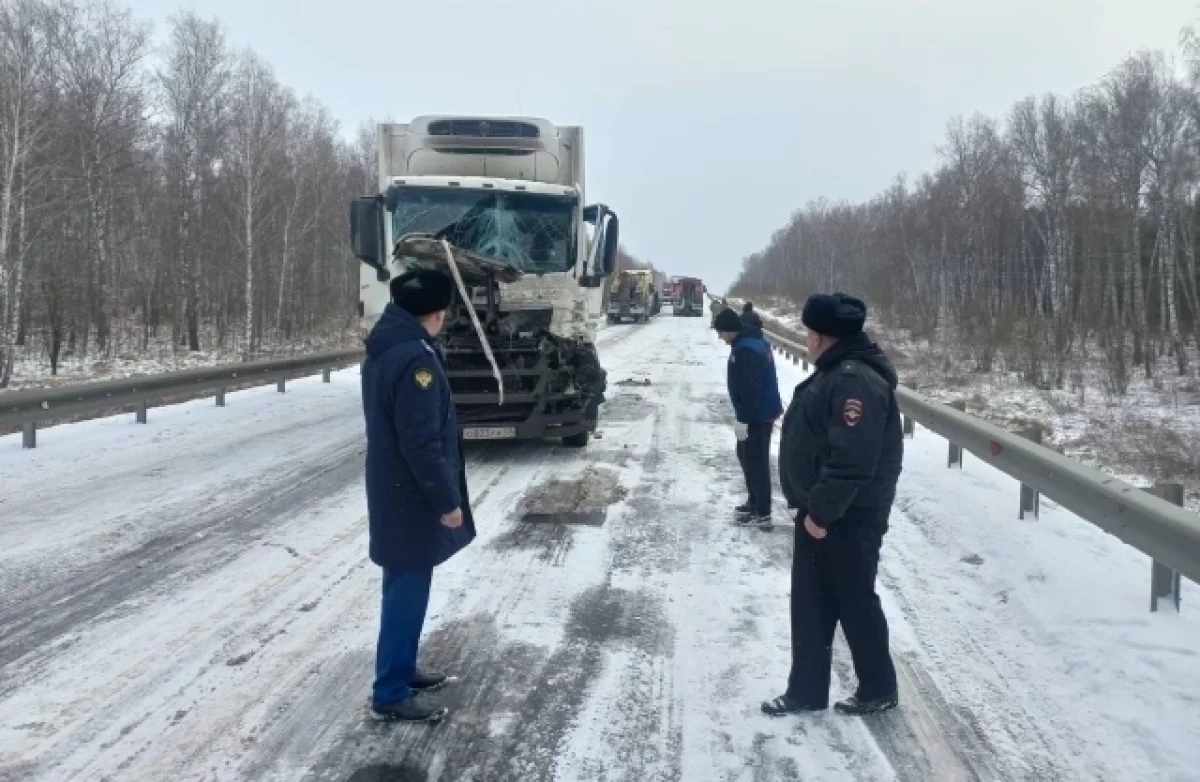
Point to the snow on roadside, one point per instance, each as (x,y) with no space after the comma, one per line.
(32,369)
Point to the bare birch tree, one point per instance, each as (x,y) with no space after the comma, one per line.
(195,85)
(27,38)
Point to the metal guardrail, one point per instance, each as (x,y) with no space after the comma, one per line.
(1151,521)
(28,408)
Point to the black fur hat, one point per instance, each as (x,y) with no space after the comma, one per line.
(422,291)
(834,314)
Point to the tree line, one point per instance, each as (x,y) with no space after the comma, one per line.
(1062,233)
(145,196)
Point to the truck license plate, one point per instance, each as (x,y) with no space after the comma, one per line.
(489,433)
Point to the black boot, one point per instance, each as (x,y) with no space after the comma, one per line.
(755,521)
(854,707)
(428,681)
(412,709)
(786,704)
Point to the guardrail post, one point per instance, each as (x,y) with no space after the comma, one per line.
(1165,582)
(955,459)
(910,427)
(141,412)
(29,434)
(220,397)
(325,375)
(1031,501)
(281,386)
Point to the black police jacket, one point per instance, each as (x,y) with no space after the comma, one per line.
(842,443)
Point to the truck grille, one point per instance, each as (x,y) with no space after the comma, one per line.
(533,385)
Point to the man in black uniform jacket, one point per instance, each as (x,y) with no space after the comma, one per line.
(839,460)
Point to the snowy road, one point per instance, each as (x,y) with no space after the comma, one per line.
(190,600)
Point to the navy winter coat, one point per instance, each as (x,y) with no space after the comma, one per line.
(415,472)
(753,386)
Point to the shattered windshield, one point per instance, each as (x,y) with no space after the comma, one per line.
(533,232)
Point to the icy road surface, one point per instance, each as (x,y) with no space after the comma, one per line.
(191,600)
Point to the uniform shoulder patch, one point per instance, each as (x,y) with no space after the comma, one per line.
(852,411)
(423,378)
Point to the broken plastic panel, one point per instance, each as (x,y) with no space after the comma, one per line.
(473,267)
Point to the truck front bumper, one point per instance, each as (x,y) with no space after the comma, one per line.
(547,394)
(528,430)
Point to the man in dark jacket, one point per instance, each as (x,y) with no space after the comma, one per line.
(839,460)
(754,391)
(750,318)
(417,500)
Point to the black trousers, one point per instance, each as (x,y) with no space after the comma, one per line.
(833,580)
(754,454)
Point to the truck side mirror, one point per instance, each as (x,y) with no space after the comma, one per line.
(366,234)
(603,254)
(612,240)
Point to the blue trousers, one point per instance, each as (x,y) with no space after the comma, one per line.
(405,600)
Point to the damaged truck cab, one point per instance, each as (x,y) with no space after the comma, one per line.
(498,203)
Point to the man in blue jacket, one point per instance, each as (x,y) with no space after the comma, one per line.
(417,500)
(754,391)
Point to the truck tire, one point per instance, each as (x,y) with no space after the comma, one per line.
(577,440)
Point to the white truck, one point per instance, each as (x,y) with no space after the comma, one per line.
(497,202)
(659,283)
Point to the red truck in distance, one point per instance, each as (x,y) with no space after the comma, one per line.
(687,296)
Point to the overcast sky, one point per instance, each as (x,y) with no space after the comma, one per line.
(707,123)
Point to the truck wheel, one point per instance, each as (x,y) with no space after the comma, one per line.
(577,440)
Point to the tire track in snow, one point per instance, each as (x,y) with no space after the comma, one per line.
(515,698)
(214,537)
(519,698)
(937,737)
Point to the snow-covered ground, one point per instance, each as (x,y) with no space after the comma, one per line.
(190,599)
(32,369)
